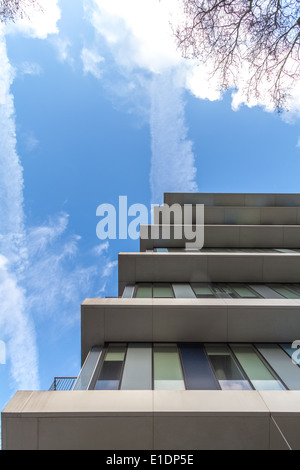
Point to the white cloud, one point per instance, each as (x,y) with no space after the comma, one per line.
(62,47)
(16,324)
(100,249)
(108,268)
(30,141)
(30,68)
(172,161)
(138,33)
(91,61)
(39,22)
(54,278)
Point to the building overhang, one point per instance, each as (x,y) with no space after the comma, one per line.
(160,420)
(187,320)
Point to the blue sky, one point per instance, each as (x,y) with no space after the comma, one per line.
(96,103)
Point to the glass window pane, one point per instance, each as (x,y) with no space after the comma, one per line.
(183,291)
(259,374)
(162,291)
(287,347)
(287,293)
(111,370)
(144,291)
(128,292)
(115,352)
(229,375)
(167,367)
(137,373)
(265,291)
(244,291)
(203,290)
(197,369)
(88,369)
(282,364)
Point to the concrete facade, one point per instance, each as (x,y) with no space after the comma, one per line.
(85,418)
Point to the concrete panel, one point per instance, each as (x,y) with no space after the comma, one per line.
(283,403)
(291,237)
(234,199)
(261,236)
(126,270)
(216,267)
(128,324)
(278,215)
(229,199)
(287,200)
(282,268)
(260,200)
(214,215)
(221,236)
(152,420)
(242,215)
(277,439)
(290,428)
(210,402)
(211,433)
(204,323)
(88,433)
(235,268)
(271,324)
(20,433)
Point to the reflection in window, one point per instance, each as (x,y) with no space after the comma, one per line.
(203,290)
(286,292)
(162,290)
(111,371)
(260,375)
(228,373)
(144,291)
(167,368)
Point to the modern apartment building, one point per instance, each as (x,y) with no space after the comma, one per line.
(198,351)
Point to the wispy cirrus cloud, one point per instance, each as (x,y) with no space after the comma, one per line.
(62,47)
(91,61)
(42,273)
(17,328)
(150,62)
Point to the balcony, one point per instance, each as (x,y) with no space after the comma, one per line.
(62,383)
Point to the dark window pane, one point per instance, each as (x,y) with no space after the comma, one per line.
(197,370)
(111,370)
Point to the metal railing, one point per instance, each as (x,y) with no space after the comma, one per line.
(62,383)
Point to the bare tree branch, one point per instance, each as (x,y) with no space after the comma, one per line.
(11,10)
(231,35)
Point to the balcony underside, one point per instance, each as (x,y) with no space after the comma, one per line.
(159,420)
(188,320)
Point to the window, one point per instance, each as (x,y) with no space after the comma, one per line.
(111,371)
(147,291)
(227,371)
(286,292)
(191,366)
(167,368)
(143,291)
(260,375)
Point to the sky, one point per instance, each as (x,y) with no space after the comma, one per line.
(96,103)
